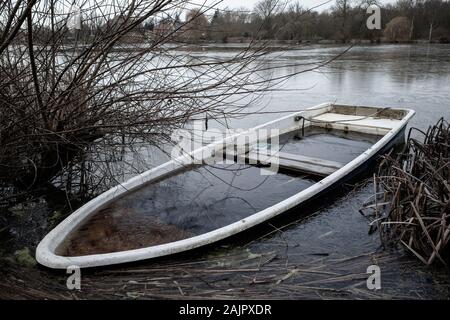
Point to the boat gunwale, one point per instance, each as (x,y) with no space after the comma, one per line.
(45,252)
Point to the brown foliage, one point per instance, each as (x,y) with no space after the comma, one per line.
(412,203)
(397,29)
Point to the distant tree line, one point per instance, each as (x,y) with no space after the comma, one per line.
(403,21)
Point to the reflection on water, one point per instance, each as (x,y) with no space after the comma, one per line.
(202,199)
(334,145)
(188,204)
(412,76)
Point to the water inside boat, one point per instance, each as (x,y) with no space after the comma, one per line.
(204,198)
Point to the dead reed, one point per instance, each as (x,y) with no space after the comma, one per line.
(411,204)
(242,274)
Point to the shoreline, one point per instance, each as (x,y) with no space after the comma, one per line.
(271,46)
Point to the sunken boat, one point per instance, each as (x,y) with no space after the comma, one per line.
(192,201)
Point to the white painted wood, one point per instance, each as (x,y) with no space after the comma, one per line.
(45,252)
(292,162)
(370,125)
(357,120)
(310,160)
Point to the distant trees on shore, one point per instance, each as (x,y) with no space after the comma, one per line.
(346,20)
(286,21)
(398,29)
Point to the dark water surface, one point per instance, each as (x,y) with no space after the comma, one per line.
(333,242)
(406,76)
(202,199)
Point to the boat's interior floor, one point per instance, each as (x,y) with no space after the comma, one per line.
(332,145)
(203,198)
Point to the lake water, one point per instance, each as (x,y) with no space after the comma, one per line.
(330,241)
(411,76)
(200,199)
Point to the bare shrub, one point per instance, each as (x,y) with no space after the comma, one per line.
(412,203)
(397,29)
(77,80)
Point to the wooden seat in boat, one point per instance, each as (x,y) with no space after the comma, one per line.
(289,161)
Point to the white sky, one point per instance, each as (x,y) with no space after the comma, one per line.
(249,4)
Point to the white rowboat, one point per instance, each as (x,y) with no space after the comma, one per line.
(97,245)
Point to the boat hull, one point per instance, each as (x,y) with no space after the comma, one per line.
(45,253)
